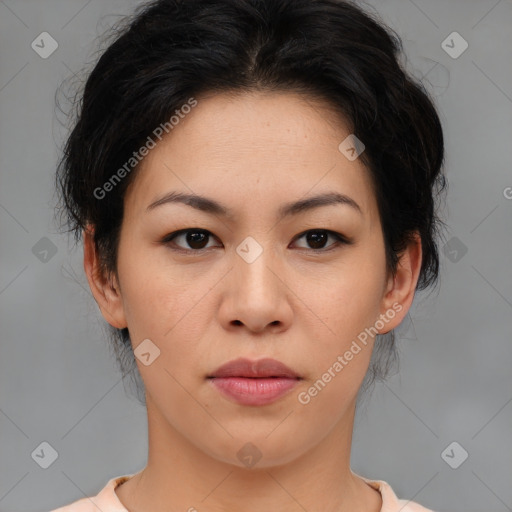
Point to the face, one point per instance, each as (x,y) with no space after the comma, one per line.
(303,286)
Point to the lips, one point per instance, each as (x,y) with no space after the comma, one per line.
(262,368)
(254,383)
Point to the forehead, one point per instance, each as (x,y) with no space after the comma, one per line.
(253,147)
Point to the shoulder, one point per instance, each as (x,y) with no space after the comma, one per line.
(106,500)
(411,506)
(390,502)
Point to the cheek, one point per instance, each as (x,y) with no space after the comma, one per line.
(341,356)
(171,316)
(156,295)
(348,299)
(170,307)
(348,304)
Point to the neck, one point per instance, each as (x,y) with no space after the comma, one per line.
(180,475)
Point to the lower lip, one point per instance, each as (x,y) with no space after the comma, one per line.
(247,391)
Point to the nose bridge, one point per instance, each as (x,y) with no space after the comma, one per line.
(255,258)
(256,293)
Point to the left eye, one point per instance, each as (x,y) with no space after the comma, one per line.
(318,237)
(197,239)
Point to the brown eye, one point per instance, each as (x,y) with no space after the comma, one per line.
(194,239)
(317,238)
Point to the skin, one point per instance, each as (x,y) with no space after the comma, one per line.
(251,152)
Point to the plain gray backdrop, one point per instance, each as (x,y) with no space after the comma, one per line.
(453,395)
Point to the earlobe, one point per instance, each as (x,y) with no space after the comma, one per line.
(105,289)
(402,286)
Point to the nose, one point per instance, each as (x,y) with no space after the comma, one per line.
(256,296)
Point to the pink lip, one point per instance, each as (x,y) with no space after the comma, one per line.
(254,382)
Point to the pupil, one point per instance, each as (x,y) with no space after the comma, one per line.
(196,237)
(313,239)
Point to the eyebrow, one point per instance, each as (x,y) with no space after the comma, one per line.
(212,207)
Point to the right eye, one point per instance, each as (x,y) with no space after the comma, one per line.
(196,239)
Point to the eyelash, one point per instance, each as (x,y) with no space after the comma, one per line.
(340,240)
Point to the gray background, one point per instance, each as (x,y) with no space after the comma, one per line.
(57,378)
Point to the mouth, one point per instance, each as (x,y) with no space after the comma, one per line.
(262,368)
(258,382)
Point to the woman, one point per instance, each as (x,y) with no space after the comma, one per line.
(255,182)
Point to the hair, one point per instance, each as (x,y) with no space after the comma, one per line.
(169,51)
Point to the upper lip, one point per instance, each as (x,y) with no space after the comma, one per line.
(256,369)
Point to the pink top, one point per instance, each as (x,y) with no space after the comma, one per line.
(107,501)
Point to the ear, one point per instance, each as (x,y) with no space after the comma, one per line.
(400,288)
(105,289)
